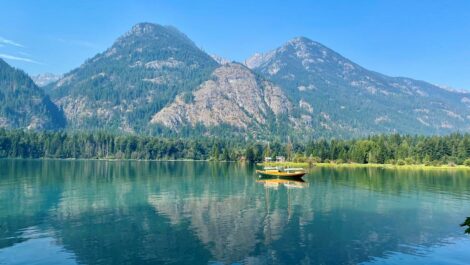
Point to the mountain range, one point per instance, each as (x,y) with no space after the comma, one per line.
(45,79)
(340,97)
(155,80)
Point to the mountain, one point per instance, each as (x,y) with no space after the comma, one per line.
(340,98)
(155,80)
(23,104)
(45,79)
(233,97)
(121,88)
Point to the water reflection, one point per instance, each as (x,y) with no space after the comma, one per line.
(38,247)
(466,224)
(108,212)
(275,183)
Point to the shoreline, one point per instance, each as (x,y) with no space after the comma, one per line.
(283,164)
(114,159)
(356,165)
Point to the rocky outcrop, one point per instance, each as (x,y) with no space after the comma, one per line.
(234,96)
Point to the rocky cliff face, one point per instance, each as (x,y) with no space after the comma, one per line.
(233,96)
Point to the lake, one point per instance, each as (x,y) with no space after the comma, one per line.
(142,212)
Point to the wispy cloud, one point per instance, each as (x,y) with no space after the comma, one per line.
(82,43)
(17,58)
(10,42)
(24,54)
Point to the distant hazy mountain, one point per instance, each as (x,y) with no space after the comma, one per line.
(23,104)
(123,87)
(337,97)
(45,79)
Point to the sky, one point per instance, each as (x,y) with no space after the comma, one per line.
(425,40)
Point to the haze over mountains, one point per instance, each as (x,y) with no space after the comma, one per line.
(45,79)
(155,80)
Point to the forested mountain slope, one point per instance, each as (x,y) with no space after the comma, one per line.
(344,99)
(23,104)
(121,88)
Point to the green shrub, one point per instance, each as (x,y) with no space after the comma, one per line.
(299,158)
(316,159)
(401,162)
(409,161)
(467,162)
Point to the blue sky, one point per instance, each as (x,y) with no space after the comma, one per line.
(427,40)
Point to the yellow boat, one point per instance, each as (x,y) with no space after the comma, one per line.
(281,172)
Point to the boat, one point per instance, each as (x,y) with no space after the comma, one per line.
(281,172)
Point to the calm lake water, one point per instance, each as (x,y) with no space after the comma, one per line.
(131,212)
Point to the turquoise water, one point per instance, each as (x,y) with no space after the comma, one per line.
(131,212)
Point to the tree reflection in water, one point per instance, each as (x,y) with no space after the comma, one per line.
(136,212)
(467,224)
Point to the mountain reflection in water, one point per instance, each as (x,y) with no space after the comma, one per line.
(137,212)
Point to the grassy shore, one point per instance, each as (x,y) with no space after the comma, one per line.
(355,165)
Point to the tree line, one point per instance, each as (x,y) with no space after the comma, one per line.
(390,149)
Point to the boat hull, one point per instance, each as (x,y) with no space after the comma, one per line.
(280,174)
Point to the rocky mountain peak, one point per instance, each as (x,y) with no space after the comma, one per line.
(45,79)
(301,40)
(300,48)
(148,32)
(143,28)
(303,43)
(254,61)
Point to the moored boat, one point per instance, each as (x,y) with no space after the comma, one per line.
(281,172)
